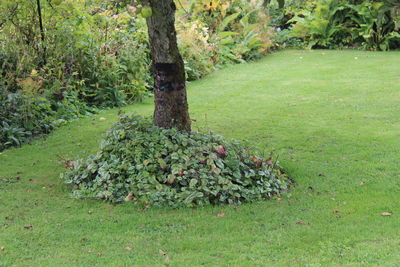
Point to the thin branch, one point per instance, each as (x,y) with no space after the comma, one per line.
(180,3)
(39,9)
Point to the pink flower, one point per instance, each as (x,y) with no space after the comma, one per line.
(132,9)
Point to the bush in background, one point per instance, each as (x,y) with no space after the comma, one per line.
(371,25)
(23,117)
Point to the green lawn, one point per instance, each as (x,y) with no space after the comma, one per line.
(334,120)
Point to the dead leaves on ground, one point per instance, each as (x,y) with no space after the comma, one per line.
(10,180)
(98,253)
(163,253)
(68,164)
(220,214)
(386,214)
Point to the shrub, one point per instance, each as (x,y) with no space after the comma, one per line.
(196,50)
(228,31)
(99,52)
(23,117)
(336,24)
(164,167)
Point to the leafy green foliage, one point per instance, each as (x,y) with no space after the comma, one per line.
(221,32)
(164,167)
(23,117)
(371,25)
(90,47)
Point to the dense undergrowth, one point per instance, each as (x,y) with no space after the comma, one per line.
(83,54)
(146,164)
(23,117)
(96,54)
(370,25)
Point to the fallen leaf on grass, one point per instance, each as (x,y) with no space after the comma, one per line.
(102,119)
(336,211)
(28,227)
(59,224)
(129,197)
(300,222)
(2,247)
(68,164)
(90,212)
(128,248)
(167,257)
(220,214)
(9,218)
(386,214)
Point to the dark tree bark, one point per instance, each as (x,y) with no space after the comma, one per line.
(171,107)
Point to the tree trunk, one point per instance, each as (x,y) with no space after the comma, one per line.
(171,107)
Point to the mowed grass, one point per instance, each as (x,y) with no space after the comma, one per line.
(333,117)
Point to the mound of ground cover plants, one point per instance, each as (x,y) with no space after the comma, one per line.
(149,165)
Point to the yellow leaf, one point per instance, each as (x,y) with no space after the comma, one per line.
(212,5)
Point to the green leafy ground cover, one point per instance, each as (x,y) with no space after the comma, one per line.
(332,116)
